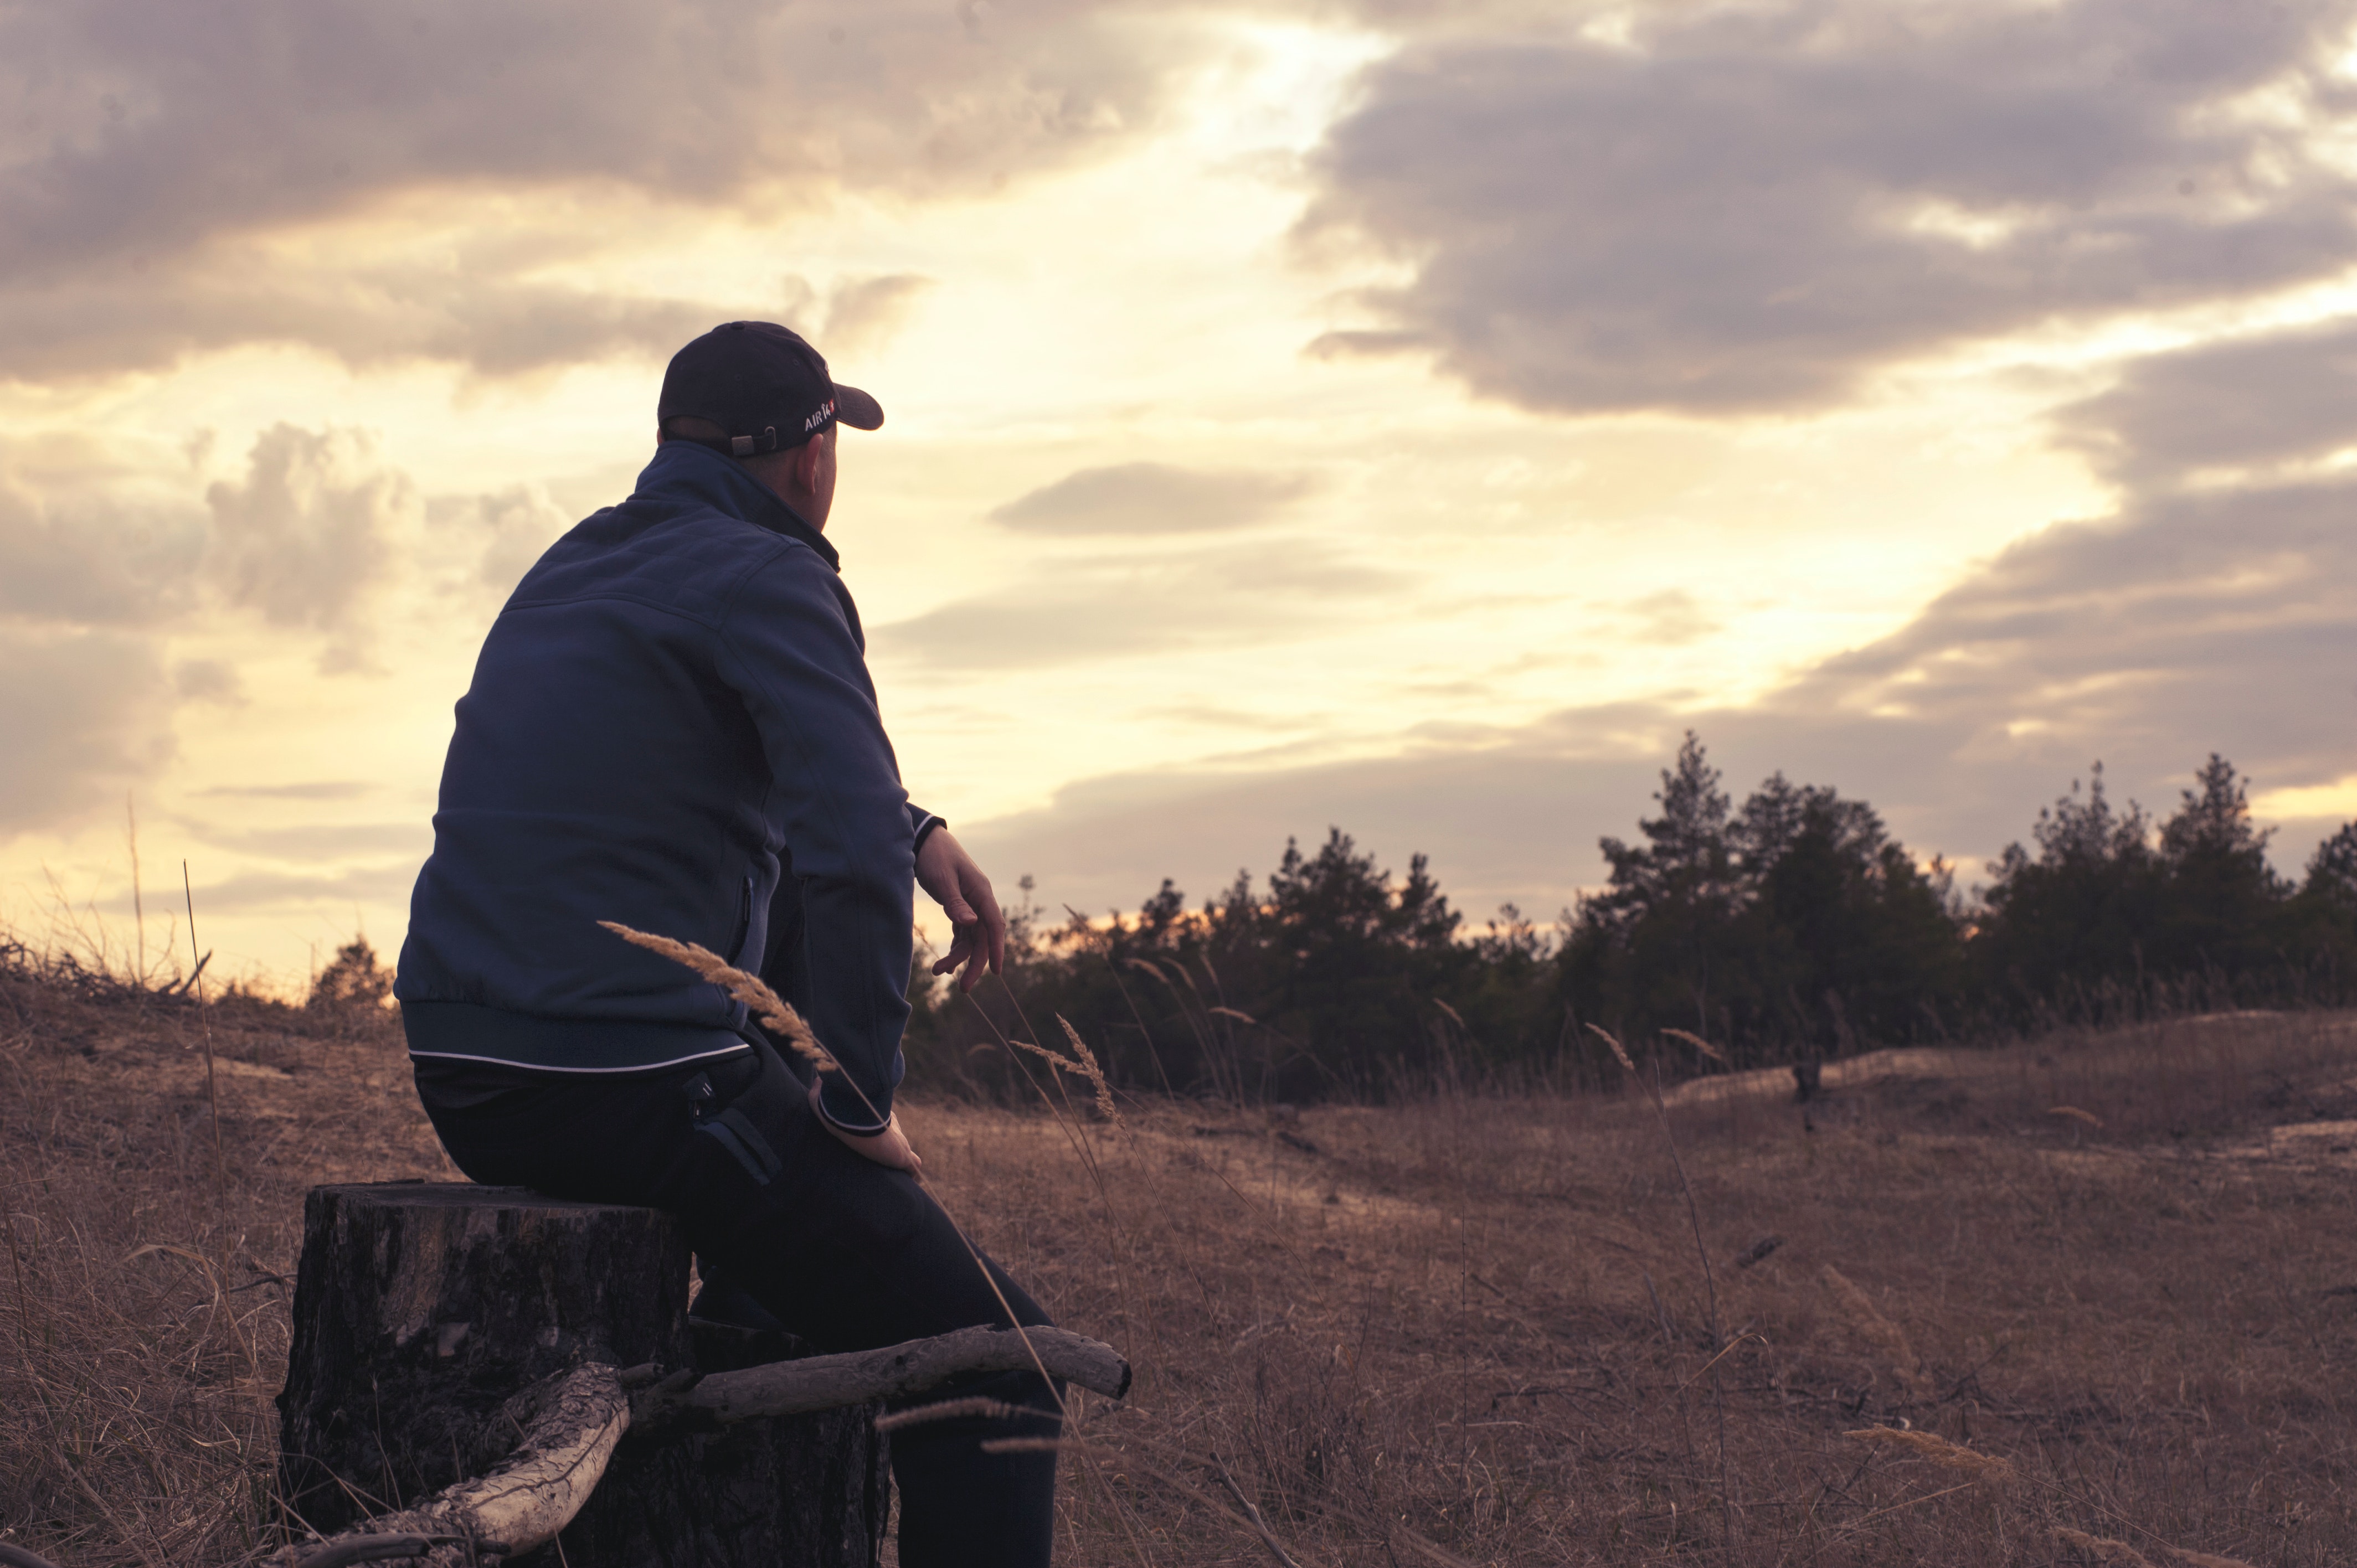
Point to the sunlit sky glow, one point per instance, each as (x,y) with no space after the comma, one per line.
(1446,412)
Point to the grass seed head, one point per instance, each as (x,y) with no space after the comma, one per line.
(750,989)
(950,1410)
(1698,1043)
(1619,1051)
(1089,1069)
(2101,1549)
(1930,1446)
(1879,1331)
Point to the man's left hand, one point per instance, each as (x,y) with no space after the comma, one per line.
(949,874)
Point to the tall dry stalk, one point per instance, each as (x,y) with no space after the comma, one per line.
(775,1010)
(1653,1088)
(138,905)
(197,977)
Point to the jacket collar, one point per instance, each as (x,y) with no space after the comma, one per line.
(682,471)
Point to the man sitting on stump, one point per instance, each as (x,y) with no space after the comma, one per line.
(672,728)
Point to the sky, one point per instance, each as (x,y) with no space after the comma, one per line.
(1405,417)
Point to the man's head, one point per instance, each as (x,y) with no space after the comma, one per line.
(759,393)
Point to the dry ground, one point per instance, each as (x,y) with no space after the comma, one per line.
(1468,1330)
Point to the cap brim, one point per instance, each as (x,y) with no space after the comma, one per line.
(856,409)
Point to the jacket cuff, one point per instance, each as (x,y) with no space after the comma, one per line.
(840,1106)
(926,823)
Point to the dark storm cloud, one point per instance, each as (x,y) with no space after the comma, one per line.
(1749,209)
(145,135)
(1098,607)
(1152,497)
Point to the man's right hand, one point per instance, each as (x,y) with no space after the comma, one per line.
(979,930)
(889,1147)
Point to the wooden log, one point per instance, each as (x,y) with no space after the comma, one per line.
(420,1310)
(570,1424)
(894,1371)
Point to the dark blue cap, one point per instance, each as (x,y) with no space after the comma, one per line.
(763,385)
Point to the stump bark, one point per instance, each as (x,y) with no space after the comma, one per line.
(419,1308)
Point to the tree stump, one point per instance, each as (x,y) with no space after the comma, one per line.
(420,1308)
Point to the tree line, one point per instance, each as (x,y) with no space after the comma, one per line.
(1792,927)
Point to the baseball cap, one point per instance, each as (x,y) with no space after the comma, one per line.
(762,384)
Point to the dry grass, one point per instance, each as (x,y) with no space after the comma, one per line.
(1465,1330)
(143,1307)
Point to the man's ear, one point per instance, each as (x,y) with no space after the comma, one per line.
(805,465)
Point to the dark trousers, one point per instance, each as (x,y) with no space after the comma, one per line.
(842,1252)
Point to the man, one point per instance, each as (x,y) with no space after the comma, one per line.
(672,726)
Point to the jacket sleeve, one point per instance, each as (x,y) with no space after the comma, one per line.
(788,646)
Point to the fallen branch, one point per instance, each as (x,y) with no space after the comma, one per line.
(571,1424)
(862,1376)
(575,1421)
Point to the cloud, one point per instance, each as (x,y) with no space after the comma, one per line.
(250,892)
(83,713)
(2202,623)
(2252,403)
(1098,607)
(2195,619)
(322,789)
(208,681)
(76,552)
(1754,209)
(330,841)
(308,532)
(1152,498)
(229,292)
(496,537)
(145,140)
(854,314)
(1670,618)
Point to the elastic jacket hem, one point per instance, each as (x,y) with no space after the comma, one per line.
(465,1031)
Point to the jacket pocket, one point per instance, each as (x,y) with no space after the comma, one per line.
(744,923)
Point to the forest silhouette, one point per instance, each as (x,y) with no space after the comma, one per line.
(1793,928)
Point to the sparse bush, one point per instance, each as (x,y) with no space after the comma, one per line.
(353,980)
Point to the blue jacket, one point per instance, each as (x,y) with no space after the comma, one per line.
(671,713)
